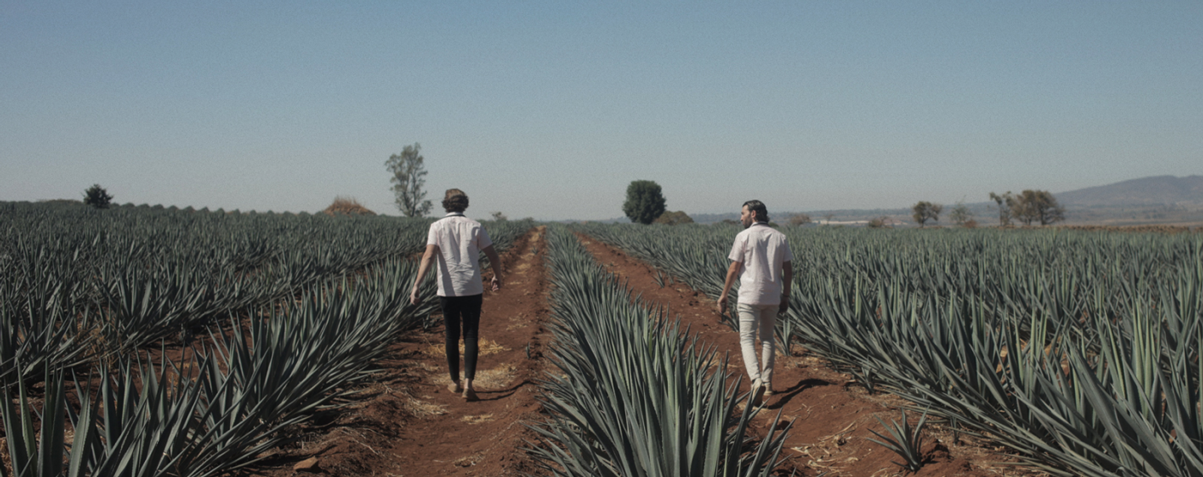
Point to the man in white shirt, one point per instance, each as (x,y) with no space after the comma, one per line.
(762,260)
(456,241)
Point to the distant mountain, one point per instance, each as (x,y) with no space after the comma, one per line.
(1157,190)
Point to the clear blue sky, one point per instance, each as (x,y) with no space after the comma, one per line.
(549,109)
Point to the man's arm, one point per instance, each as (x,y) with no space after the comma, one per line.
(427,260)
(787,278)
(732,272)
(495,264)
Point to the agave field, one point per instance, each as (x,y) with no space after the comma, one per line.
(1078,351)
(143,341)
(280,315)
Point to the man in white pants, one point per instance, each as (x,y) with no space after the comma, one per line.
(762,260)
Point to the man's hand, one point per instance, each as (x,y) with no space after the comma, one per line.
(495,264)
(787,278)
(427,261)
(732,272)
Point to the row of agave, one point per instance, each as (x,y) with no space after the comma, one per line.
(226,401)
(79,284)
(1079,351)
(233,393)
(636,395)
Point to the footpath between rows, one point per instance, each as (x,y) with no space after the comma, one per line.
(407,424)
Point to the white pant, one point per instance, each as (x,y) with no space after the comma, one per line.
(756,324)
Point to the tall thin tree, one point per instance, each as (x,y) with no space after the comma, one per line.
(408,181)
(1005,203)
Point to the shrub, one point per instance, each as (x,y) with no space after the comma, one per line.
(97,197)
(674,218)
(878,222)
(347,206)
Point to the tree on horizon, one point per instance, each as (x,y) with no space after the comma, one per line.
(408,181)
(1038,206)
(924,211)
(644,203)
(97,197)
(1006,203)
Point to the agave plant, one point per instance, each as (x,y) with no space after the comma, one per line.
(903,440)
(40,451)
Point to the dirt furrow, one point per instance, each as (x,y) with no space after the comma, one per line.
(406,422)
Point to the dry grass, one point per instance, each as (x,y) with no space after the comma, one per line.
(486,347)
(824,455)
(468,461)
(421,409)
(486,379)
(5,459)
(481,419)
(347,206)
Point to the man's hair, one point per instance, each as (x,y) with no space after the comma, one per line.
(455,201)
(762,213)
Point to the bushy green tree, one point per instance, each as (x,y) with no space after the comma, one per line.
(925,211)
(97,197)
(1037,206)
(644,203)
(408,181)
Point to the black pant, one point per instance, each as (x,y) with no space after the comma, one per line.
(466,308)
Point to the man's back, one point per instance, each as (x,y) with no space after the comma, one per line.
(762,250)
(460,241)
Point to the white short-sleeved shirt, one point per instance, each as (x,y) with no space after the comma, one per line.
(460,241)
(763,251)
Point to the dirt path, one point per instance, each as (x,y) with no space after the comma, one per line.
(831,416)
(408,424)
